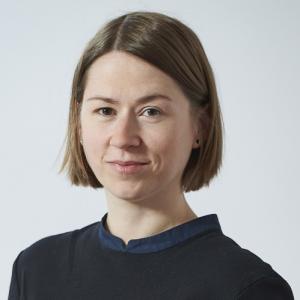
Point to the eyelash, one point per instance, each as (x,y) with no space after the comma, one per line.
(101,108)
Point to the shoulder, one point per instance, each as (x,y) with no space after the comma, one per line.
(49,259)
(271,286)
(53,248)
(248,275)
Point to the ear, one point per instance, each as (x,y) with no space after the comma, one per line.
(79,123)
(205,123)
(79,135)
(202,126)
(79,132)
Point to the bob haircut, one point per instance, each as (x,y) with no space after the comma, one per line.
(174,48)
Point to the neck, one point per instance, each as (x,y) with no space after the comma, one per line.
(134,220)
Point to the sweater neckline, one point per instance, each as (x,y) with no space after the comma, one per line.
(163,240)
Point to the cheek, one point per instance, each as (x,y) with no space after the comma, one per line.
(93,143)
(164,147)
(178,145)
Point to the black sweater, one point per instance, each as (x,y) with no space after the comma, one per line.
(206,265)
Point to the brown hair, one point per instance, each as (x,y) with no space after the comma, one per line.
(174,48)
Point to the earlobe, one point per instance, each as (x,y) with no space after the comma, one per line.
(79,135)
(203,127)
(197,135)
(196,143)
(79,123)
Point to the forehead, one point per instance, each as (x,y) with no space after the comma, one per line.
(119,72)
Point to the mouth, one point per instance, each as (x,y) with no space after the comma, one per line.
(128,163)
(129,168)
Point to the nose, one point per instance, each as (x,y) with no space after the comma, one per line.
(125,132)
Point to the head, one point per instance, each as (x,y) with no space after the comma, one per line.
(131,57)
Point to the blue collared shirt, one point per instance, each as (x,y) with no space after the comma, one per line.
(160,241)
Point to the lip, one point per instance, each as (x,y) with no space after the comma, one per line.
(129,168)
(127,163)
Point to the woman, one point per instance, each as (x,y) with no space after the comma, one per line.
(145,125)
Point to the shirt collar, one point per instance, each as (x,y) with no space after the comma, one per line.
(198,226)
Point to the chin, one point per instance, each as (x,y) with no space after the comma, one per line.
(127,193)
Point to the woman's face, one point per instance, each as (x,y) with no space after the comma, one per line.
(159,131)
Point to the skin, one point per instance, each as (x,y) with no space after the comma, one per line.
(151,201)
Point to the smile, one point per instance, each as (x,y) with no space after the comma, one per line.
(128,169)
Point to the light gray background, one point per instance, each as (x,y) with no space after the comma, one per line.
(253,47)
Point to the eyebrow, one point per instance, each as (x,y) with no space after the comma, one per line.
(143,99)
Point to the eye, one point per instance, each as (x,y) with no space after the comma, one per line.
(153,109)
(103,109)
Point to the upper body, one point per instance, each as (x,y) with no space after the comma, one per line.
(194,260)
(145,125)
